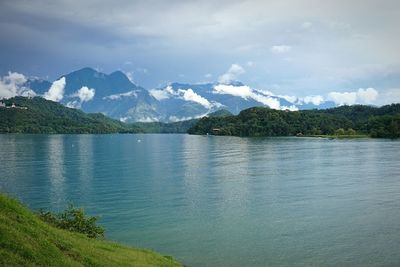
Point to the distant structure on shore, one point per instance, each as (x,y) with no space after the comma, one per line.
(3,105)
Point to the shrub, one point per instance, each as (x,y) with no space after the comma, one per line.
(75,220)
(340,131)
(350,131)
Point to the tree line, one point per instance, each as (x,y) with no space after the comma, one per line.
(383,122)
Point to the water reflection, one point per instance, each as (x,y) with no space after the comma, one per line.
(8,162)
(195,168)
(55,157)
(85,165)
(232,175)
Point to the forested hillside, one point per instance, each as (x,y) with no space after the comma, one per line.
(346,120)
(38,115)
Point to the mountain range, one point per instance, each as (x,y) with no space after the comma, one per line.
(116,96)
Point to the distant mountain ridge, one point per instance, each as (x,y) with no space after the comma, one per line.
(118,97)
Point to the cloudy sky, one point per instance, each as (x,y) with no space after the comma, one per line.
(295,47)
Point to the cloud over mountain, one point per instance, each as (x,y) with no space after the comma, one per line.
(189,95)
(243,91)
(232,74)
(13,84)
(184,94)
(85,94)
(56,91)
(116,96)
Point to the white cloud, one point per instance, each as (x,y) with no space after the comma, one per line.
(85,94)
(159,94)
(27,92)
(73,104)
(14,78)
(291,108)
(367,96)
(313,99)
(176,119)
(246,92)
(13,84)
(119,96)
(264,92)
(56,91)
(184,94)
(281,49)
(190,95)
(345,98)
(232,74)
(143,119)
(289,98)
(165,93)
(124,119)
(129,75)
(242,91)
(267,100)
(362,96)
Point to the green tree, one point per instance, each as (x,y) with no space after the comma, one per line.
(351,131)
(340,131)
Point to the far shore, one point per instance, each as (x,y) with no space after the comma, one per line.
(355,136)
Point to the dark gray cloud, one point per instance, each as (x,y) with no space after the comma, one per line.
(297,47)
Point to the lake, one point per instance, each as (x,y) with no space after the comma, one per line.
(221,201)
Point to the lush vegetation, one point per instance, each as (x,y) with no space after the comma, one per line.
(355,120)
(38,115)
(161,127)
(26,240)
(75,220)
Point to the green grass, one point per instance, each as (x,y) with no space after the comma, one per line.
(25,240)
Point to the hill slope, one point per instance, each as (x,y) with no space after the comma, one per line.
(352,120)
(43,116)
(25,240)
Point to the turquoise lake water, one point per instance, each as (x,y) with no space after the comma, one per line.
(221,201)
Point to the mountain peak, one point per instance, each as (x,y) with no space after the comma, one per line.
(118,75)
(86,70)
(120,78)
(233,83)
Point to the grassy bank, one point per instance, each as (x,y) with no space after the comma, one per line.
(25,240)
